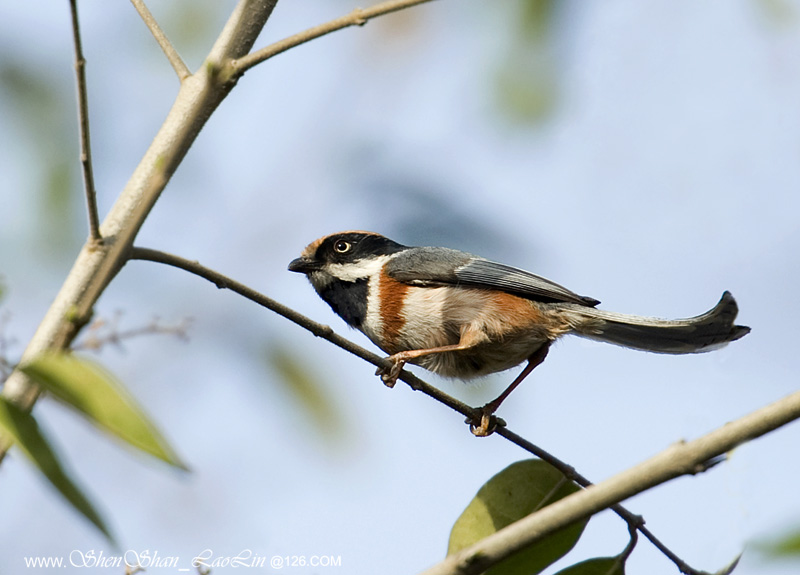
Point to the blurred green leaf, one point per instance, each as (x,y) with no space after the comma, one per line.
(190,25)
(782,546)
(57,195)
(527,80)
(518,490)
(93,392)
(24,431)
(527,91)
(48,130)
(779,12)
(32,93)
(536,17)
(304,388)
(597,566)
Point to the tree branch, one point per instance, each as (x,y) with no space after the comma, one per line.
(166,46)
(320,330)
(96,265)
(634,521)
(357,17)
(223,282)
(680,459)
(83,123)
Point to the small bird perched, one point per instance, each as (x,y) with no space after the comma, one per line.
(463,316)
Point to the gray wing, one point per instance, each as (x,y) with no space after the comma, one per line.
(441,266)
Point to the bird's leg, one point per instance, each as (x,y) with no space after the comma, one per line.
(470,337)
(488,421)
(389,376)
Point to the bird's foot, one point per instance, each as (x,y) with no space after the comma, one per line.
(389,375)
(487,423)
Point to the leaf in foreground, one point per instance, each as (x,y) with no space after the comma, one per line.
(93,392)
(520,489)
(24,431)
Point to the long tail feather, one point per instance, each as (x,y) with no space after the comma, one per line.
(705,332)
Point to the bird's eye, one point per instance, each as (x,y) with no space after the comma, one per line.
(342,247)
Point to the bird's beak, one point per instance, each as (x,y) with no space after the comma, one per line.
(304,265)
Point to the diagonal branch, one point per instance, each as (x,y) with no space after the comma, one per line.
(318,329)
(166,46)
(357,17)
(683,458)
(83,122)
(634,521)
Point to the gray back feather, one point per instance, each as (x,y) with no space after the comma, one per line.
(442,266)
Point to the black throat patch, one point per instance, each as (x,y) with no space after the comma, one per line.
(347,299)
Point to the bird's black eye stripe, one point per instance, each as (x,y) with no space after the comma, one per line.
(352,246)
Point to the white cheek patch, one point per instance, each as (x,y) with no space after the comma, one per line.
(361,269)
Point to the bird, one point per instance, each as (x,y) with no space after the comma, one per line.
(464,316)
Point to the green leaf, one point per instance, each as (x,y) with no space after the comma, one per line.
(24,431)
(304,388)
(785,545)
(93,392)
(597,566)
(536,18)
(518,490)
(45,117)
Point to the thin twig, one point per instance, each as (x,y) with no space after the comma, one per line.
(223,282)
(83,122)
(166,46)
(633,531)
(357,17)
(102,332)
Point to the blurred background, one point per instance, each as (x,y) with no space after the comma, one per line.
(646,154)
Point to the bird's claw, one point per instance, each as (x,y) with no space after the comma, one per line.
(488,423)
(389,375)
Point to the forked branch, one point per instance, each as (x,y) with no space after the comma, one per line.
(166,46)
(97,265)
(357,17)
